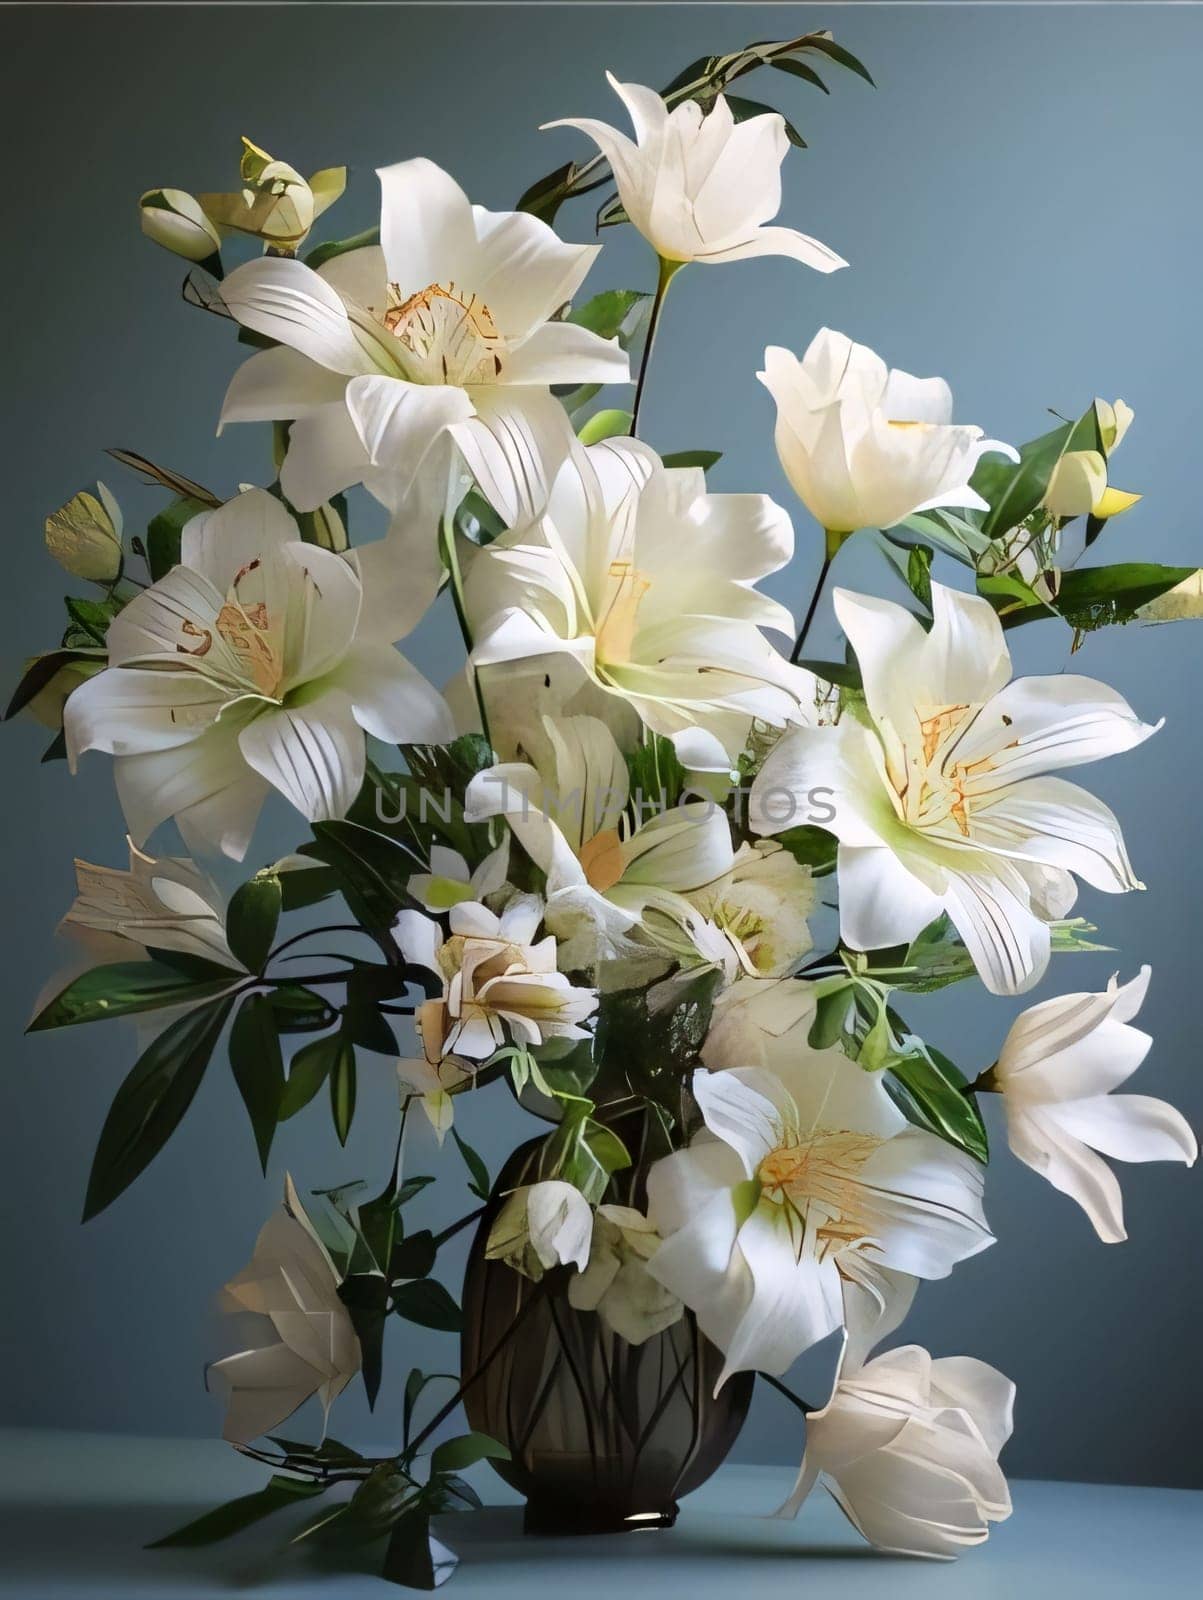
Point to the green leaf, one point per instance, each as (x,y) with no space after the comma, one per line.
(258,1068)
(799,69)
(300,1010)
(42,670)
(252,918)
(611,424)
(477,1171)
(453,1455)
(837,53)
(415,1386)
(150,1103)
(322,253)
(655,773)
(693,458)
(342,1087)
(124,988)
(413,1256)
(305,886)
(163,534)
(1087,597)
(1014,490)
(810,847)
(373,870)
(427,1303)
(545,197)
(363,1021)
(613,314)
(238,1514)
(150,471)
(92,617)
(844,674)
(932,1093)
(365,1295)
(415,1558)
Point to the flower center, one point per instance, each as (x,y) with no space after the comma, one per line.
(822,1174)
(247,631)
(625,589)
(447,336)
(935,786)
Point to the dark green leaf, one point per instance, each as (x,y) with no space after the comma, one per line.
(322,253)
(258,1069)
(453,1455)
(544,198)
(415,1385)
(43,669)
(810,847)
(252,918)
(415,1558)
(1087,597)
(163,534)
(844,674)
(305,886)
(150,1103)
(238,1514)
(92,617)
(342,1088)
(125,987)
(363,1021)
(799,69)
(300,1010)
(656,775)
(307,1071)
(413,1256)
(427,1303)
(373,870)
(175,481)
(477,1171)
(614,314)
(412,1186)
(837,53)
(365,1295)
(693,458)
(932,1093)
(1014,490)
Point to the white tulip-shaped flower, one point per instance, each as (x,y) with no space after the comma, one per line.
(540,1226)
(940,791)
(1058,1066)
(616,1283)
(569,814)
(803,1178)
(291,1282)
(909,1447)
(645,582)
(443,333)
(864,446)
(495,980)
(259,662)
(700,186)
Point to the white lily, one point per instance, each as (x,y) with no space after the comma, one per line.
(616,1283)
(160,903)
(1056,1071)
(496,980)
(940,793)
(802,1178)
(863,446)
(259,662)
(441,335)
(292,1283)
(909,1447)
(540,1226)
(762,905)
(599,581)
(569,815)
(700,186)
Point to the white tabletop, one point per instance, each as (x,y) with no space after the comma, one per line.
(76,1510)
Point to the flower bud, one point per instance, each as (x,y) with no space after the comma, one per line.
(176,220)
(276,204)
(84,536)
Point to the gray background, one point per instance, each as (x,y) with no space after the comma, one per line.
(1019,202)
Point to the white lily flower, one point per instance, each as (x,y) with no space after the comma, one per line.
(909,1447)
(540,1226)
(802,1179)
(569,814)
(863,446)
(442,334)
(1056,1071)
(495,980)
(760,1024)
(940,792)
(160,903)
(700,186)
(292,1283)
(599,581)
(762,905)
(259,662)
(616,1283)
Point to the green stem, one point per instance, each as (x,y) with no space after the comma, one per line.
(440,1239)
(668,271)
(832,542)
(451,561)
(781,1388)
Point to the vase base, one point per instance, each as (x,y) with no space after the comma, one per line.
(554,1517)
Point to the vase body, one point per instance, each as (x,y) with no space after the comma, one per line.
(603,1435)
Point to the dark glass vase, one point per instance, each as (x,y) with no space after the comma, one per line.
(603,1435)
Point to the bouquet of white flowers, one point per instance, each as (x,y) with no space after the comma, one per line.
(591,872)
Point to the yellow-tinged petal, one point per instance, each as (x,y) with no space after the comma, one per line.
(1113,502)
(84,536)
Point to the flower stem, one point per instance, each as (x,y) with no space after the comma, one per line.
(451,561)
(781,1388)
(668,271)
(832,544)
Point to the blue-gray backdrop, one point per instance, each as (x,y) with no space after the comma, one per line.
(1019,202)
